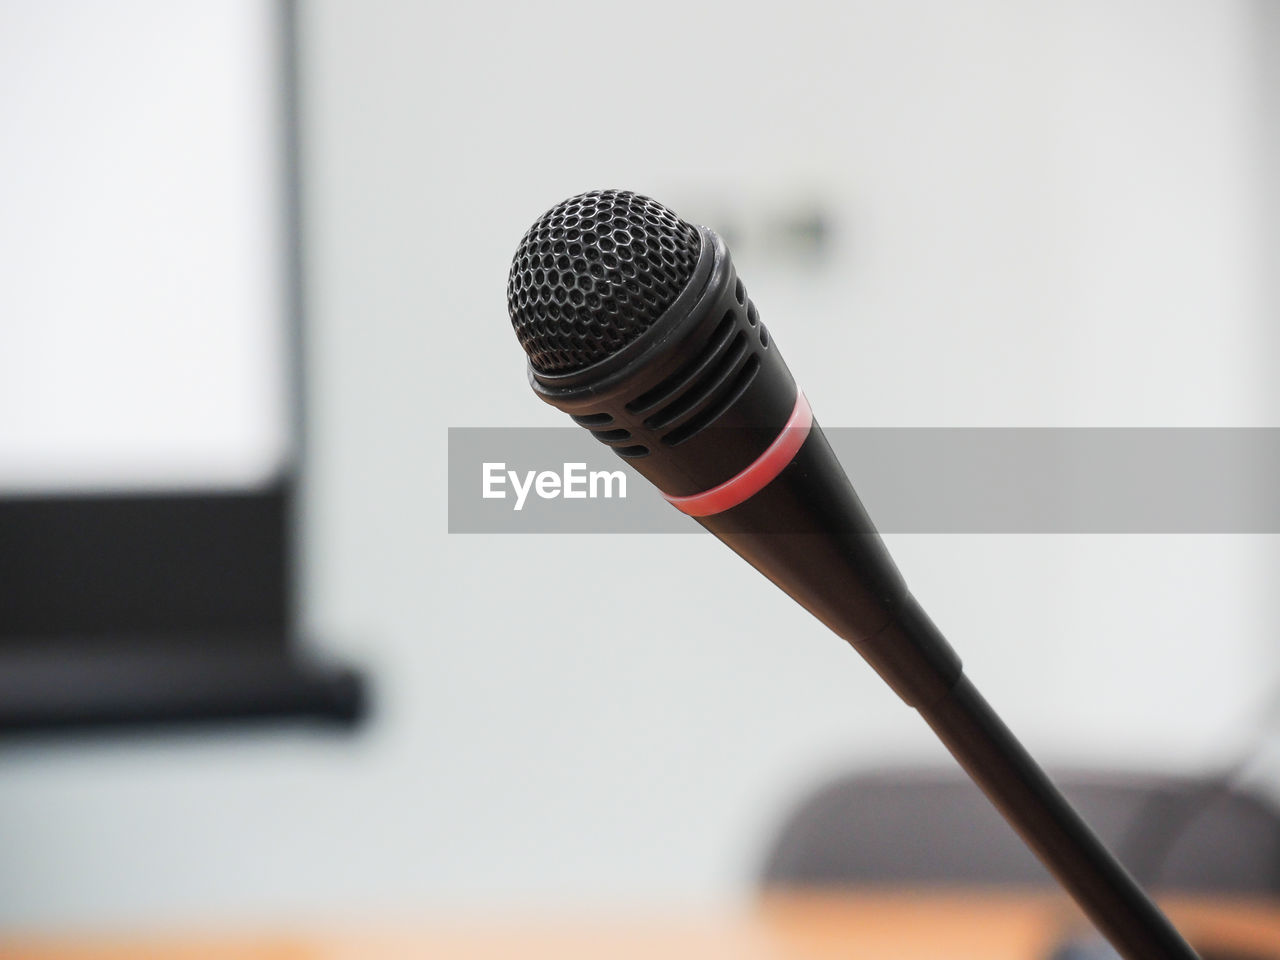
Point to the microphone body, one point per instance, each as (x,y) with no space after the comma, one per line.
(695,403)
(637,325)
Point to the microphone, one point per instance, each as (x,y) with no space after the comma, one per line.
(636,324)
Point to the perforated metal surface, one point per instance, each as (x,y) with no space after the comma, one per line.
(593,273)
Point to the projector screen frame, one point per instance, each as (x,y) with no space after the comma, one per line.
(128,608)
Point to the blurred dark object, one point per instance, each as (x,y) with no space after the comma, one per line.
(119,682)
(1093,947)
(917,827)
(142,609)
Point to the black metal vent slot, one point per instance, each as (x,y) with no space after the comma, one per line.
(701,391)
(708,416)
(592,419)
(632,453)
(677,381)
(612,436)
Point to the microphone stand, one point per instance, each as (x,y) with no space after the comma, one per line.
(1047,823)
(808,532)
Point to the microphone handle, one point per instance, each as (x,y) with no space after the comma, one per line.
(807,531)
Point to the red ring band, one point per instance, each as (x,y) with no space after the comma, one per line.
(758,475)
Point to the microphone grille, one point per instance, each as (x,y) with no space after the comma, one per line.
(595,272)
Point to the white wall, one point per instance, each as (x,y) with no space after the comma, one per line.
(1046,218)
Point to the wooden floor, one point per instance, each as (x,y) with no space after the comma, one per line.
(957,926)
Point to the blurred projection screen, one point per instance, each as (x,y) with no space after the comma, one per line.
(145,326)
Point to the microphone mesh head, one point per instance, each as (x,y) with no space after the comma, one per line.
(595,272)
